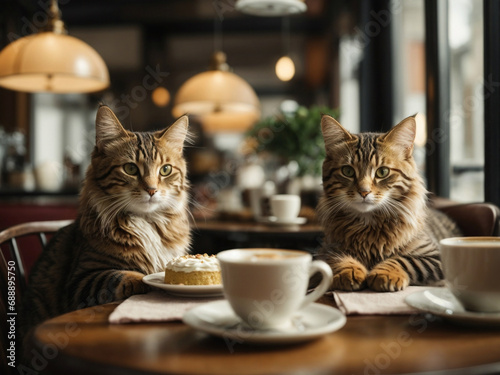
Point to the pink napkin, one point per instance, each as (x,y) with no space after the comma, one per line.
(155,306)
(158,306)
(367,302)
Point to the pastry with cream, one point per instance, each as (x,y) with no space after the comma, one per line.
(199,269)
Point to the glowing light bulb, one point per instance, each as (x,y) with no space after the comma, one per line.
(285,68)
(160,96)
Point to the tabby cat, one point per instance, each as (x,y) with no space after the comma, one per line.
(133,218)
(379,231)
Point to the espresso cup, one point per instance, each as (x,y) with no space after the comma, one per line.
(266,287)
(471,267)
(285,207)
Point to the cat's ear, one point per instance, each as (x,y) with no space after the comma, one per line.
(107,127)
(402,136)
(175,135)
(333,133)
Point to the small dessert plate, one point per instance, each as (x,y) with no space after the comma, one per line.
(441,302)
(157,280)
(274,220)
(218,319)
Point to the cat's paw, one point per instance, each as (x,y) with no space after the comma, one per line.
(131,283)
(349,278)
(387,278)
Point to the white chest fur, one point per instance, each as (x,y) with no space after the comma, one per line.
(155,250)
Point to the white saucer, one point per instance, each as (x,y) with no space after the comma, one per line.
(157,280)
(441,302)
(217,318)
(274,220)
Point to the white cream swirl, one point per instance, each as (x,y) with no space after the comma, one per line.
(192,263)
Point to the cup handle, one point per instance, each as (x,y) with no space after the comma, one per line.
(324,285)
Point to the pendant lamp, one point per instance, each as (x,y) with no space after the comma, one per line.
(223,101)
(52,61)
(271,8)
(285,68)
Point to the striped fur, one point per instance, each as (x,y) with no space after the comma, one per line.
(379,231)
(128,225)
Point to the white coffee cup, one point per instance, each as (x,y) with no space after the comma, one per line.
(285,207)
(266,287)
(471,267)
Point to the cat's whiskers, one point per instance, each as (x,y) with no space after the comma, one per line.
(108,208)
(334,206)
(401,210)
(196,205)
(103,204)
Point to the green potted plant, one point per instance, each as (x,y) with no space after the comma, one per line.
(295,137)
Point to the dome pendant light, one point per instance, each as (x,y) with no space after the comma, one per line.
(223,101)
(52,61)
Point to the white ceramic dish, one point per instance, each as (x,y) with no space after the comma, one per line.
(441,302)
(157,280)
(217,318)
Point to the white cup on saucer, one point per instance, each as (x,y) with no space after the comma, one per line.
(266,287)
(285,207)
(471,267)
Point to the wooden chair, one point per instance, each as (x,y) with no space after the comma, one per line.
(13,277)
(39,229)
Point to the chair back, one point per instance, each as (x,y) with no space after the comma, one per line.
(475,219)
(9,238)
(13,272)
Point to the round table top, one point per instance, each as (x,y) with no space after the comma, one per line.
(84,342)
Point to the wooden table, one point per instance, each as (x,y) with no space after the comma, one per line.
(216,235)
(82,342)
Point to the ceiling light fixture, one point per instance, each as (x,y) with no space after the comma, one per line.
(160,96)
(285,68)
(52,61)
(223,101)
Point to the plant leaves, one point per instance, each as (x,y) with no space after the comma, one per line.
(295,136)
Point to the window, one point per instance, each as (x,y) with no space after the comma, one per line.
(466,100)
(466,113)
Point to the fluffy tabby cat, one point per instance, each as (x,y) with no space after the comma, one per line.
(133,218)
(379,232)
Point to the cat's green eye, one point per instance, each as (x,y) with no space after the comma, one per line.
(348,171)
(382,172)
(131,169)
(166,170)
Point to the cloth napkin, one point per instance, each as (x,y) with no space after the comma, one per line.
(158,306)
(155,306)
(367,302)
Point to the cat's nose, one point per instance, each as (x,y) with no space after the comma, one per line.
(151,190)
(364,193)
